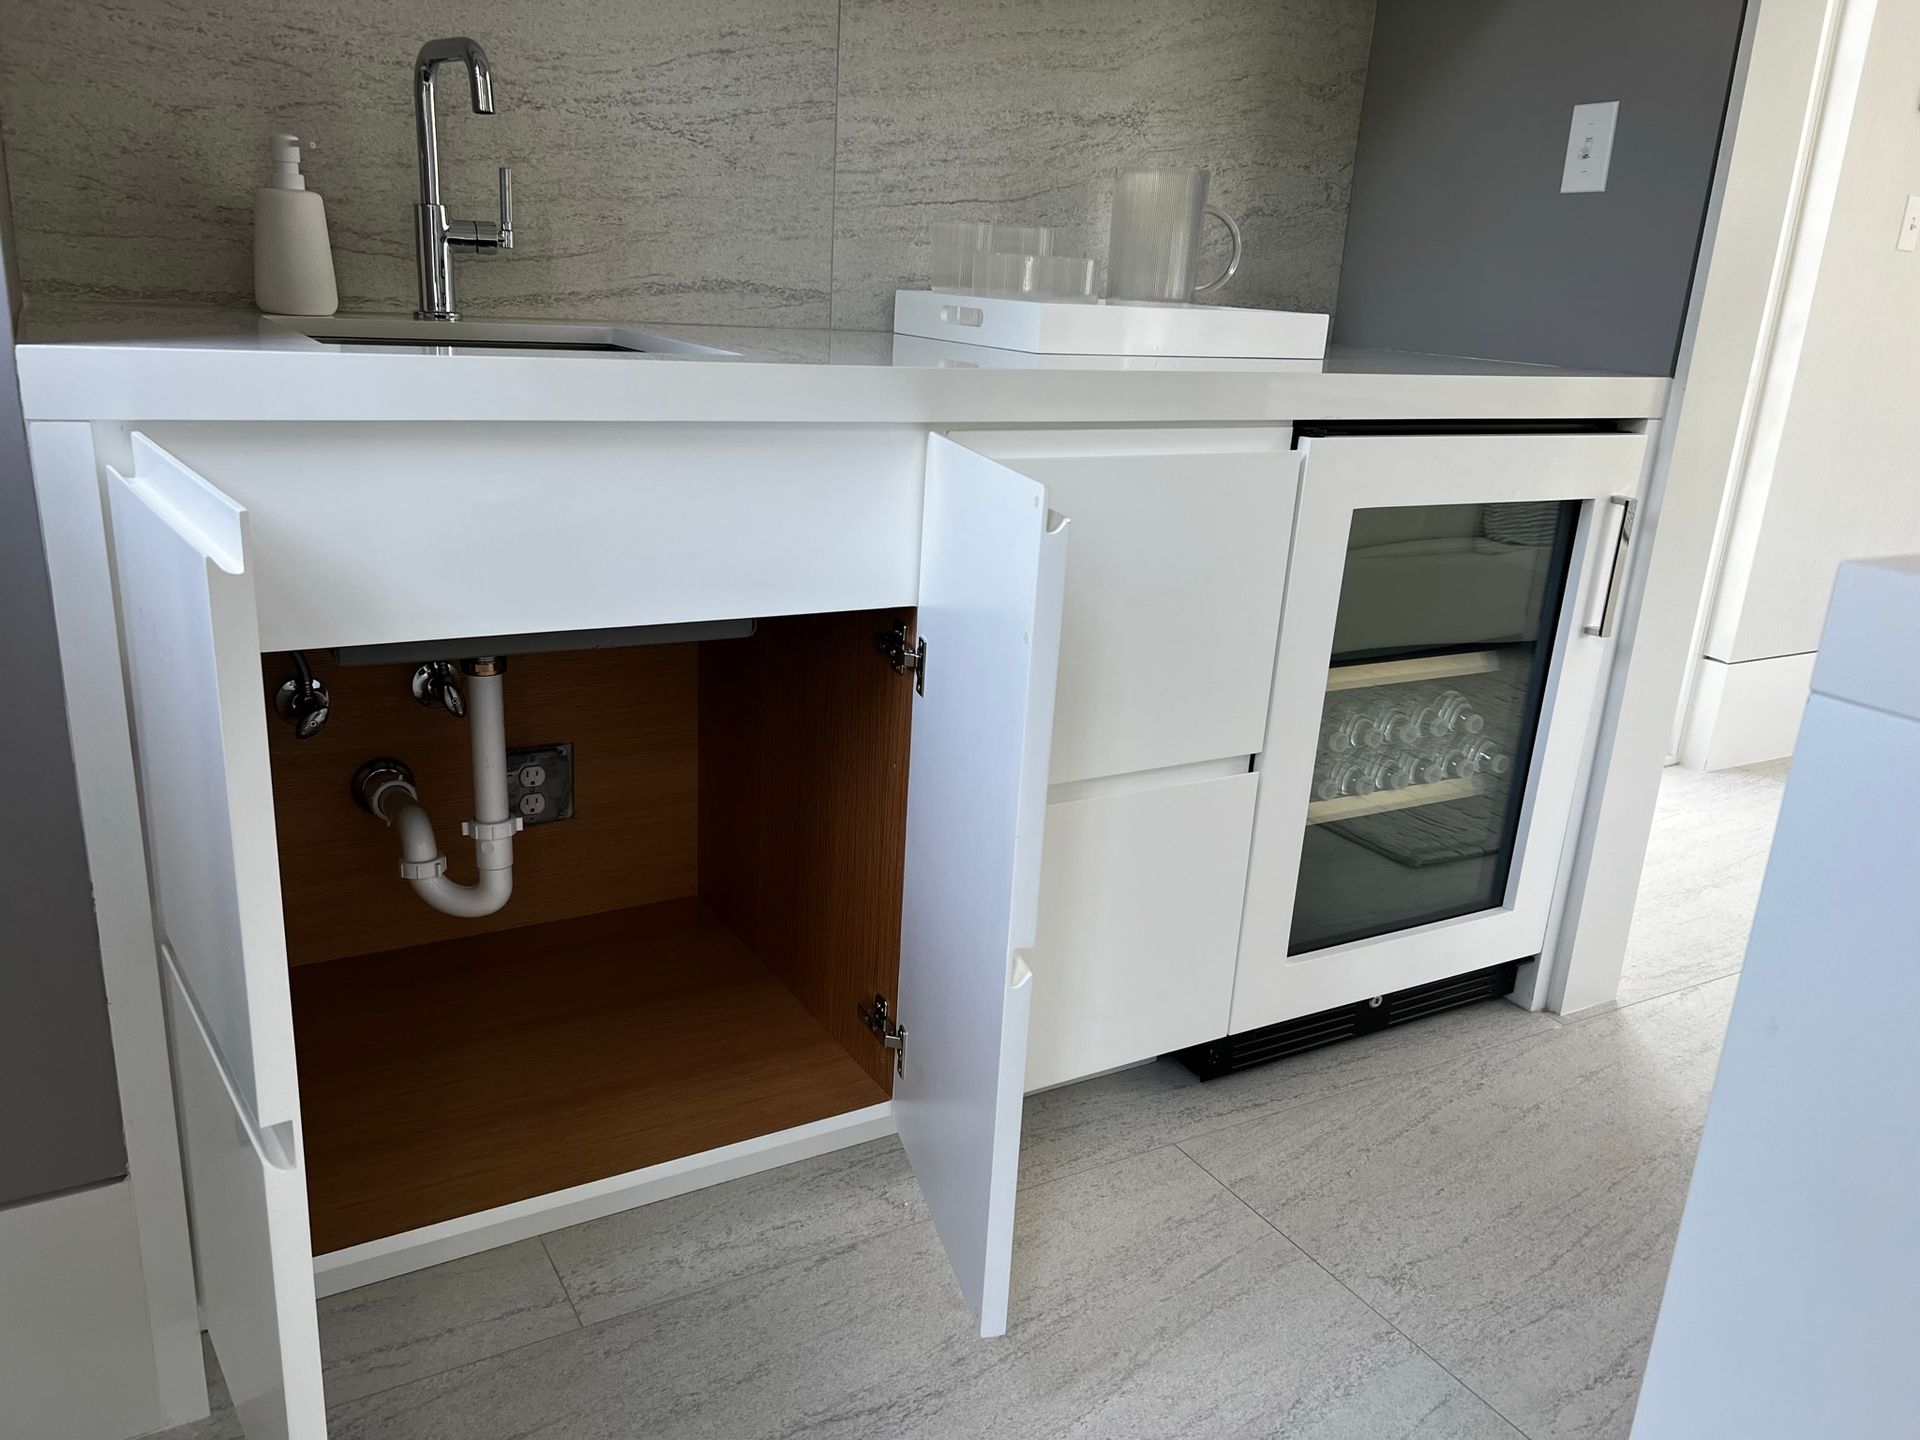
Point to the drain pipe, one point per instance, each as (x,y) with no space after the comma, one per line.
(385,788)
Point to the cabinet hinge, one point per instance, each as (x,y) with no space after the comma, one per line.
(874,1015)
(905,659)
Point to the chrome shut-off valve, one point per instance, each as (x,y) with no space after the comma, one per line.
(436,685)
(303,701)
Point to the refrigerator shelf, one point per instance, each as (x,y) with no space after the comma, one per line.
(1370,673)
(1350,807)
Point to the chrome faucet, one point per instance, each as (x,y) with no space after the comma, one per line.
(434,236)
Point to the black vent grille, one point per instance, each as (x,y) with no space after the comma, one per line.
(1290,1037)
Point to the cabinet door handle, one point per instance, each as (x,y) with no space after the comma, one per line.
(1610,600)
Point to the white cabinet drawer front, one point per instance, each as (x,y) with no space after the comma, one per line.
(370,534)
(1174,583)
(1139,925)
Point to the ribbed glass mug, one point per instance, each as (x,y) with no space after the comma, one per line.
(1154,242)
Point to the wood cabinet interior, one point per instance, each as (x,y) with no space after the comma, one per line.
(681,964)
(632,715)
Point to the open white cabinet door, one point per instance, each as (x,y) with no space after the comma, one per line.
(193,659)
(992,574)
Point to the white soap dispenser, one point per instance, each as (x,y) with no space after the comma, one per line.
(292,258)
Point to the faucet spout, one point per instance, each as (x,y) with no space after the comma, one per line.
(458,49)
(434,235)
(455,49)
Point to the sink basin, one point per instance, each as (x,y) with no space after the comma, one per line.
(486,337)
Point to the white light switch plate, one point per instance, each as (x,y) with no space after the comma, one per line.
(1589,147)
(1910,225)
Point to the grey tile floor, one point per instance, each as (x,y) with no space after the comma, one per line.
(1452,1231)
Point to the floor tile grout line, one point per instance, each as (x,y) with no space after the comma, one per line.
(444,1370)
(559,1279)
(833,158)
(581,1326)
(584,1324)
(1094,1169)
(714,1284)
(1372,1309)
(1592,1015)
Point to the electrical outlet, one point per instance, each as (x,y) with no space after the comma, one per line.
(540,783)
(1909,225)
(1589,147)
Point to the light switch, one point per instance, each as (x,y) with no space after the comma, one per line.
(1589,147)
(1910,225)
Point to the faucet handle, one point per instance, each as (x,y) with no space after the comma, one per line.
(506,207)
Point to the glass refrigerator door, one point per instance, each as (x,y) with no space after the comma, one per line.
(1442,645)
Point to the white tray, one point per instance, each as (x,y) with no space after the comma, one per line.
(1110,327)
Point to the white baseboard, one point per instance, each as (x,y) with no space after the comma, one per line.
(382,1259)
(76,1349)
(1745,712)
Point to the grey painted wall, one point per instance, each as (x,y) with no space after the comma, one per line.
(59,1106)
(731,161)
(1459,241)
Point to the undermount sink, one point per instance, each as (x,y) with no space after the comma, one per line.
(391,333)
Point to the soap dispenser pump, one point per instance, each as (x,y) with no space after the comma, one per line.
(292,258)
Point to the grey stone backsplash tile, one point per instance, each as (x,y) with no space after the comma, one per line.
(749,162)
(677,159)
(988,111)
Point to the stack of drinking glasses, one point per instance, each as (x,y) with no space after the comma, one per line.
(972,257)
(1402,738)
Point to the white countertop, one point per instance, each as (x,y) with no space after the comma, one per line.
(96,362)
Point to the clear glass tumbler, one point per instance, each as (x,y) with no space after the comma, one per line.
(1154,242)
(996,274)
(955,243)
(1020,239)
(1062,277)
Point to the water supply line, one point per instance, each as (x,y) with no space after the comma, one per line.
(385,788)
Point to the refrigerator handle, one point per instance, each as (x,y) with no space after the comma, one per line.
(1610,600)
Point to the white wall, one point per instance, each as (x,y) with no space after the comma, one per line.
(1833,469)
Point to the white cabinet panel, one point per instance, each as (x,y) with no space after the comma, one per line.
(1139,925)
(181,557)
(373,534)
(182,560)
(992,565)
(1173,588)
(247,1193)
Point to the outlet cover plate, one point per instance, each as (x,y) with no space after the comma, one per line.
(540,783)
(1590,147)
